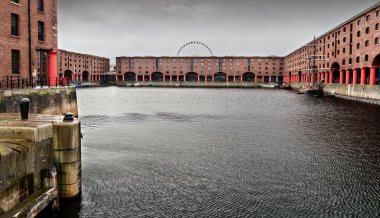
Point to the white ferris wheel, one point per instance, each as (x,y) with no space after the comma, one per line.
(195,49)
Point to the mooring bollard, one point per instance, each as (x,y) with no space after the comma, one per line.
(24,108)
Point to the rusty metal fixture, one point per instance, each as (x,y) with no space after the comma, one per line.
(69,117)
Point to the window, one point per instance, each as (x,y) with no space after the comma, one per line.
(358,59)
(15,1)
(41,31)
(367,30)
(358,46)
(15,61)
(377,26)
(344,39)
(367,18)
(14,25)
(377,13)
(367,43)
(40,5)
(366,58)
(344,29)
(344,50)
(358,34)
(358,22)
(376,40)
(344,62)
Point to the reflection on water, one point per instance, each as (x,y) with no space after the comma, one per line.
(226,152)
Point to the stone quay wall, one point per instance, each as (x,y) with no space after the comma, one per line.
(43,101)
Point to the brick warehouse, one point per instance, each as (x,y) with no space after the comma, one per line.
(29,44)
(81,67)
(28,31)
(346,54)
(218,69)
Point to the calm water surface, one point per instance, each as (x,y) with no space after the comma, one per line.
(151,152)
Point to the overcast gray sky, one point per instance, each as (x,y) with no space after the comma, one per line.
(229,27)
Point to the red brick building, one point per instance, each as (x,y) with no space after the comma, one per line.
(219,69)
(347,54)
(81,67)
(28,38)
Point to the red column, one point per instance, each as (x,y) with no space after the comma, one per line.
(372,76)
(143,78)
(212,78)
(206,77)
(348,76)
(226,77)
(355,77)
(255,77)
(150,77)
(319,77)
(52,67)
(241,78)
(363,76)
(199,78)
(331,77)
(341,77)
(123,77)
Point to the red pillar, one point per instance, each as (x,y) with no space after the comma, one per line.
(331,77)
(355,77)
(199,78)
(255,77)
(363,76)
(341,77)
(212,78)
(372,76)
(150,77)
(143,78)
(206,77)
(348,76)
(319,77)
(52,67)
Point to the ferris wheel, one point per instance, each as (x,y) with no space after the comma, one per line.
(195,48)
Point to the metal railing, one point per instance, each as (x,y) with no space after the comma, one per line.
(18,82)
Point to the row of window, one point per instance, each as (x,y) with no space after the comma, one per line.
(15,27)
(40,4)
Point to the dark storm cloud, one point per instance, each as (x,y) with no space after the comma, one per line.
(230,27)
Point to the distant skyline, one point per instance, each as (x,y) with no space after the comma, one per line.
(160,27)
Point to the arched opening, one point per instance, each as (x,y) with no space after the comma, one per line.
(299,76)
(68,75)
(335,68)
(130,76)
(376,64)
(192,77)
(248,77)
(220,77)
(157,77)
(85,76)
